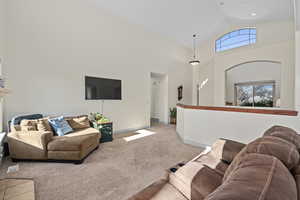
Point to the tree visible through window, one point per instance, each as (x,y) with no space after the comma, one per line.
(256,94)
(234,39)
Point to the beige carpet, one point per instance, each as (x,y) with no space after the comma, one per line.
(115,171)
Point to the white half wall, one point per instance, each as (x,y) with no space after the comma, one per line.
(53,44)
(204,127)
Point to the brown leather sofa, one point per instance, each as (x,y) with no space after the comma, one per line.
(35,140)
(266,169)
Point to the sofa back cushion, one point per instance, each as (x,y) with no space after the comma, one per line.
(79,122)
(34,125)
(44,125)
(285,133)
(257,177)
(296,174)
(283,150)
(28,125)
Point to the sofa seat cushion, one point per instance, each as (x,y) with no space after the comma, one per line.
(212,161)
(160,190)
(195,180)
(74,141)
(257,177)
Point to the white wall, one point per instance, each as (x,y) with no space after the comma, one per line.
(297,71)
(275,42)
(2,51)
(53,44)
(251,72)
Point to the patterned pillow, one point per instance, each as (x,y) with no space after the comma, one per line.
(79,122)
(28,125)
(60,126)
(43,125)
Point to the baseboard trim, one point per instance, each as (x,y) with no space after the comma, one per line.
(194,143)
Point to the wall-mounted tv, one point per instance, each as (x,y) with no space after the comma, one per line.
(102,89)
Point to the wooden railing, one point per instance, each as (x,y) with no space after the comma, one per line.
(243,110)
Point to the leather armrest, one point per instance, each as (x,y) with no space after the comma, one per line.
(226,150)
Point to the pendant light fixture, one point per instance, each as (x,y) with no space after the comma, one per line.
(194,62)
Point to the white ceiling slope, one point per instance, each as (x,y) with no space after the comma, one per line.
(180,19)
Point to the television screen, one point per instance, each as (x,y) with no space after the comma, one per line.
(102,89)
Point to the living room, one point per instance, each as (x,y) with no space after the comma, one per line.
(128,99)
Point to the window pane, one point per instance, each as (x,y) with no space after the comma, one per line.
(245,31)
(253,31)
(263,96)
(244,95)
(236,39)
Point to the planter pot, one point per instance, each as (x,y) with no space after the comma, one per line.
(173,120)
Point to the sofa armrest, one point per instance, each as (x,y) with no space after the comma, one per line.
(226,150)
(37,139)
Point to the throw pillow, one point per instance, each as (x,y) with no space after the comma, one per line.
(28,125)
(43,125)
(60,126)
(79,122)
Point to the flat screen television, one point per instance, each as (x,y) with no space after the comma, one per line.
(102,89)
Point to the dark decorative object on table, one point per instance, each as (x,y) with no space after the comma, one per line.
(180,93)
(104,125)
(106,130)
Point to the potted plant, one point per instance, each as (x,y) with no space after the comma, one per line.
(173,115)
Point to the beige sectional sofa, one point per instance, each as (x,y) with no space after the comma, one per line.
(266,169)
(35,140)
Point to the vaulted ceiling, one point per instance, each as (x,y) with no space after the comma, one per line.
(180,19)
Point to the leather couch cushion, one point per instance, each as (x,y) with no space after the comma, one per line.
(212,161)
(296,174)
(78,122)
(196,180)
(285,151)
(74,141)
(269,145)
(284,133)
(257,177)
(226,150)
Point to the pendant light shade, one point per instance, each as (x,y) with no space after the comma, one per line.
(194,62)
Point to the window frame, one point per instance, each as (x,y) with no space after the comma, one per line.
(255,83)
(219,39)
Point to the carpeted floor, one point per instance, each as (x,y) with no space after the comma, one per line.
(115,171)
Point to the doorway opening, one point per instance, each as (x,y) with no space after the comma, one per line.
(159,99)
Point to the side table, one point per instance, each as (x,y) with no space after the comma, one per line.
(106,130)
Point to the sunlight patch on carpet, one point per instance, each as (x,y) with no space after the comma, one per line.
(141,134)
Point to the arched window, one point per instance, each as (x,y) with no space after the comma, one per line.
(234,39)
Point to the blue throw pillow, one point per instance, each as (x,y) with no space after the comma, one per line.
(60,126)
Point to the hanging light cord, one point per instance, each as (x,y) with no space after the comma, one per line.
(194,46)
